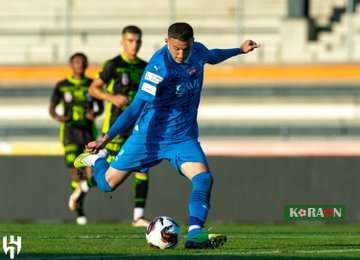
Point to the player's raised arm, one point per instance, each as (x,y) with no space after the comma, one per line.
(122,124)
(151,81)
(127,119)
(219,55)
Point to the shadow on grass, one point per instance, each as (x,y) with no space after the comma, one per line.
(161,257)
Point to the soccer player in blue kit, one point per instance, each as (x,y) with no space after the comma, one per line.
(163,118)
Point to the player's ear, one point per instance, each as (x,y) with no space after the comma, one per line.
(166,40)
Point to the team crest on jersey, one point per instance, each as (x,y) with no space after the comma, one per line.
(125,80)
(192,71)
(67,97)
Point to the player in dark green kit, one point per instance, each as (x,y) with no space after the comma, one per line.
(121,76)
(77,122)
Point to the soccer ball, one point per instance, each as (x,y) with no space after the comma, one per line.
(163,232)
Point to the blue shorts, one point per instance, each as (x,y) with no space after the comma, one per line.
(137,156)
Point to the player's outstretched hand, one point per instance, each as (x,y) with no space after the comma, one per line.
(248,46)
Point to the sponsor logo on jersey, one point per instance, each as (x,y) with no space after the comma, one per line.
(153,77)
(187,87)
(192,71)
(149,88)
(67,97)
(125,80)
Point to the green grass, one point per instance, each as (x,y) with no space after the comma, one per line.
(119,241)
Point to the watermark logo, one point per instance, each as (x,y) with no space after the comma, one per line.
(12,246)
(314,212)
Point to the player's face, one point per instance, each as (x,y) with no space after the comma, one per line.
(178,49)
(78,65)
(131,43)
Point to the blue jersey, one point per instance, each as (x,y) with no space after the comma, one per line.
(172,92)
(165,107)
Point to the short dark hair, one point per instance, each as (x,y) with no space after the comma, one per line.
(79,54)
(181,31)
(131,29)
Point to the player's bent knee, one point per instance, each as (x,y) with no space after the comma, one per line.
(115,177)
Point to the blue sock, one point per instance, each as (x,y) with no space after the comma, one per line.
(199,200)
(99,170)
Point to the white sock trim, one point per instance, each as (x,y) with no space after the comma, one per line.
(82,220)
(192,227)
(84,186)
(138,213)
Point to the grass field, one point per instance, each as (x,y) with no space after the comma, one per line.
(119,241)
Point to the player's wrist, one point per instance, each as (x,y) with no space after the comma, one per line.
(102,141)
(108,97)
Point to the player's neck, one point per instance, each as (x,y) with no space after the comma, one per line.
(78,76)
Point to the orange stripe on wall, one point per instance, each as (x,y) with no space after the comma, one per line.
(338,72)
(39,73)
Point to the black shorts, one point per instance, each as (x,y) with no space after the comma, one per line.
(74,140)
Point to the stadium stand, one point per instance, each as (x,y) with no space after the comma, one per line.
(33,32)
(241,98)
(95,27)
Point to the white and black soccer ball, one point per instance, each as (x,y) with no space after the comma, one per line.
(163,232)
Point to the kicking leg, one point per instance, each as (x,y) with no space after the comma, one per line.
(199,205)
(107,178)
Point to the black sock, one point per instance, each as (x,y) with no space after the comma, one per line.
(141,189)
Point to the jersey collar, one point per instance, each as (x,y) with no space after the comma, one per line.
(76,81)
(136,61)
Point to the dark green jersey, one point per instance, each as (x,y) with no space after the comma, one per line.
(74,96)
(121,77)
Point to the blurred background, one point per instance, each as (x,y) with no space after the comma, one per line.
(289,111)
